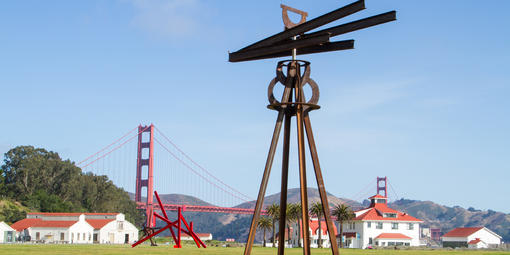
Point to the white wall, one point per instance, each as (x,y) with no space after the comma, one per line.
(361,227)
(114,232)
(486,236)
(79,229)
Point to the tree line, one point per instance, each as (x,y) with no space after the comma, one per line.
(41,181)
(342,212)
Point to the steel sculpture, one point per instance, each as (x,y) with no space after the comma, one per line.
(177,224)
(294,75)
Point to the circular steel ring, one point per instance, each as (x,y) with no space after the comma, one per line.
(270,94)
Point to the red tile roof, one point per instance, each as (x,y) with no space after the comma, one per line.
(314,225)
(462,232)
(98,223)
(24,224)
(392,236)
(54,223)
(377,211)
(377,196)
(475,241)
(69,214)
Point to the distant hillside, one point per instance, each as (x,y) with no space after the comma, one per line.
(176,199)
(447,218)
(293,196)
(434,215)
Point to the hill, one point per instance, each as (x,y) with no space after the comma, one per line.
(447,218)
(176,199)
(293,196)
(434,215)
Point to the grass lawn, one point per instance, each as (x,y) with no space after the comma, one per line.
(164,249)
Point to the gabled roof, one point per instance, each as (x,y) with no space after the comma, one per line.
(54,224)
(475,241)
(314,225)
(377,213)
(24,224)
(98,223)
(462,232)
(70,214)
(377,196)
(392,236)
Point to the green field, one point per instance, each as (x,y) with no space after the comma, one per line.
(164,249)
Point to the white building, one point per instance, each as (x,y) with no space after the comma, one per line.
(7,234)
(379,225)
(314,234)
(477,237)
(109,228)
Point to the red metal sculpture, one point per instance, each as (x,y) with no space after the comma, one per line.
(172,224)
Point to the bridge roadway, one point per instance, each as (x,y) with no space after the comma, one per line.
(200,208)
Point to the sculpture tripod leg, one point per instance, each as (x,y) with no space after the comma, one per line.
(267,171)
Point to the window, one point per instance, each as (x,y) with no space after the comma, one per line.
(89,236)
(61,236)
(369,224)
(377,243)
(370,240)
(394,225)
(352,225)
(379,225)
(72,236)
(411,226)
(83,236)
(37,236)
(400,243)
(120,225)
(391,243)
(78,237)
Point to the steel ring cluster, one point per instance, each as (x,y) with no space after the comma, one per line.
(304,79)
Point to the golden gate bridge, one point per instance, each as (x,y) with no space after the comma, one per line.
(130,163)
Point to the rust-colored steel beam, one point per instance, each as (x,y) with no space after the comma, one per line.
(320,48)
(265,176)
(271,49)
(309,25)
(356,25)
(302,169)
(284,184)
(320,183)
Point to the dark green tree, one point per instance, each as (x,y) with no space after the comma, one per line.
(316,209)
(274,213)
(343,213)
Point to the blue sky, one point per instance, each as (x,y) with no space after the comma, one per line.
(423,100)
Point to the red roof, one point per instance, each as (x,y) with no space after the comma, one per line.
(377,196)
(54,223)
(314,225)
(69,214)
(98,223)
(24,224)
(462,232)
(475,241)
(377,211)
(392,236)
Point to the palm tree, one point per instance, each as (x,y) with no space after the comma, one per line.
(265,224)
(343,213)
(292,213)
(274,212)
(296,212)
(316,209)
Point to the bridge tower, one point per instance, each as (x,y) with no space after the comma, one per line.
(144,171)
(382,185)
